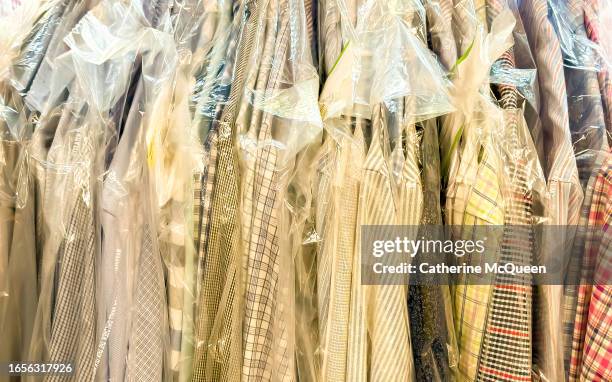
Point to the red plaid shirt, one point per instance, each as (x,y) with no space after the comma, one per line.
(591,356)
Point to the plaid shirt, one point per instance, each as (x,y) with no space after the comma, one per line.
(591,347)
(147,339)
(587,124)
(204,182)
(211,93)
(337,254)
(218,335)
(483,206)
(72,287)
(268,349)
(73,332)
(510,334)
(68,276)
(340,169)
(474,197)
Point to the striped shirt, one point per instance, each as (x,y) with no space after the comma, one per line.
(564,190)
(592,24)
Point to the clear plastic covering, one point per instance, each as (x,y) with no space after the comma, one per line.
(581,49)
(89,202)
(382,57)
(187,187)
(381,81)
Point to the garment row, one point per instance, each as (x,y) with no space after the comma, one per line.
(184,186)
